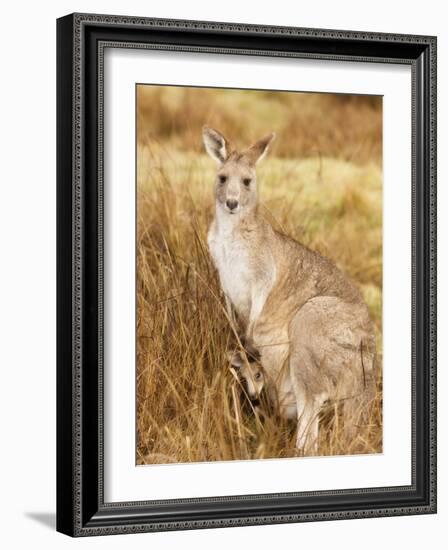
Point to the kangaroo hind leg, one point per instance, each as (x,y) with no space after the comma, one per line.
(309,403)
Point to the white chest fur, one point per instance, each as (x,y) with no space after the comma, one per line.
(232,260)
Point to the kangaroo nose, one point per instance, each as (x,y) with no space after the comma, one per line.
(231,204)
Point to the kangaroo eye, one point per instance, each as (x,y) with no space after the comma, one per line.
(247,181)
(222,178)
(257,376)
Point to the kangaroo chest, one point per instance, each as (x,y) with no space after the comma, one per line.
(233,262)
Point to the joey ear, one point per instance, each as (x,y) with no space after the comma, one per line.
(259,149)
(215,144)
(235,359)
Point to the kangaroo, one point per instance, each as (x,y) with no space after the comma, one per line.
(306,319)
(255,379)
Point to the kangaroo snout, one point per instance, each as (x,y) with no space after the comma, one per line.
(231,204)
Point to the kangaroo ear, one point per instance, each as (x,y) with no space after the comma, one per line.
(216,144)
(235,359)
(259,149)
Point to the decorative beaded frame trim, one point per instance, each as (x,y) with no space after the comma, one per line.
(79,21)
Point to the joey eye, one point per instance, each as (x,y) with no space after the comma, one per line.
(246,181)
(222,178)
(257,376)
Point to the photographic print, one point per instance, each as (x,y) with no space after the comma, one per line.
(259,274)
(246,271)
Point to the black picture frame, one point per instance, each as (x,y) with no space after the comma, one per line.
(81,510)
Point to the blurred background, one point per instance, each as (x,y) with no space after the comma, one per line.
(320,183)
(347,127)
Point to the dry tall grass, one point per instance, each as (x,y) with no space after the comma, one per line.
(322,185)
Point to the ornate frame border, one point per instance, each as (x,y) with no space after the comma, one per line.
(81,42)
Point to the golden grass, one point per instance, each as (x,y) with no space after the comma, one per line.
(190,407)
(341,126)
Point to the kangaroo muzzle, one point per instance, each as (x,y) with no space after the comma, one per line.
(231,204)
